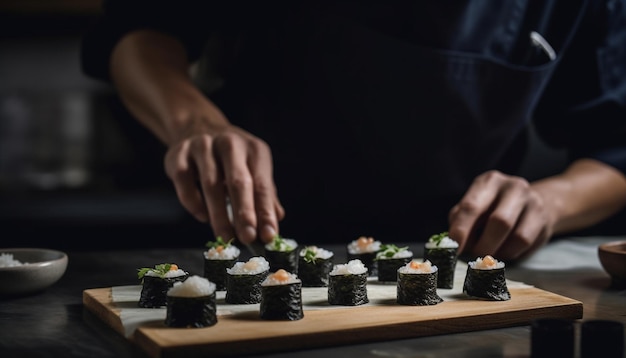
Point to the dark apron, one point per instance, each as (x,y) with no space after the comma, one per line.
(390,132)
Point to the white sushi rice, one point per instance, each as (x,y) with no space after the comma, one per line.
(169,274)
(7,260)
(228,253)
(287,245)
(422,267)
(482,264)
(270,280)
(354,248)
(445,243)
(353,267)
(320,253)
(194,286)
(254,266)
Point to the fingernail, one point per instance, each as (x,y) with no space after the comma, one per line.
(249,233)
(268,232)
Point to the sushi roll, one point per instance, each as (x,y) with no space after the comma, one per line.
(314,265)
(441,251)
(281,297)
(282,253)
(347,285)
(365,249)
(417,284)
(389,259)
(485,279)
(219,256)
(191,303)
(155,283)
(243,280)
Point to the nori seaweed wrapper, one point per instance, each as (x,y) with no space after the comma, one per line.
(215,271)
(348,290)
(487,284)
(154,290)
(286,260)
(445,259)
(388,268)
(244,289)
(368,259)
(193,312)
(282,302)
(417,289)
(314,274)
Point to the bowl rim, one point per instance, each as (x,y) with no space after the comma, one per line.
(33,265)
(611,247)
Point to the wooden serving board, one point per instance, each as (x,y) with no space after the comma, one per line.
(241,331)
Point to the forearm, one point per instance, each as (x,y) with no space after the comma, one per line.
(151,73)
(583,195)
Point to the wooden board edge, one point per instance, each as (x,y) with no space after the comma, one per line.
(99,302)
(564,307)
(331,338)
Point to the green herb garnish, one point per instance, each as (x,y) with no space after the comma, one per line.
(161,270)
(310,254)
(389,250)
(219,242)
(437,238)
(279,244)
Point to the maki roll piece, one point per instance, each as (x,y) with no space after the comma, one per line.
(281,297)
(485,279)
(441,251)
(417,284)
(314,265)
(243,280)
(347,285)
(191,303)
(365,249)
(155,283)
(220,256)
(282,253)
(389,259)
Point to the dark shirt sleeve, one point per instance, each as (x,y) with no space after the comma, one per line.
(584,106)
(191,22)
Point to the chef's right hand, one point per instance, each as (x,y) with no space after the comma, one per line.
(214,168)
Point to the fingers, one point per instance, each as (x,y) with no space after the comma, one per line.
(210,178)
(268,208)
(503,217)
(247,165)
(182,173)
(228,181)
(466,218)
(499,215)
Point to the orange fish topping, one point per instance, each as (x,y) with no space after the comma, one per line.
(173,267)
(281,275)
(489,261)
(364,241)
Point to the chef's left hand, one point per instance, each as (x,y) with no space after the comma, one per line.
(500,215)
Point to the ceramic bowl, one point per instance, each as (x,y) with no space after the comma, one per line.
(29,270)
(612,256)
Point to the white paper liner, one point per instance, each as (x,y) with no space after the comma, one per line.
(313,298)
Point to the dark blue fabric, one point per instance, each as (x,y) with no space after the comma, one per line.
(380,114)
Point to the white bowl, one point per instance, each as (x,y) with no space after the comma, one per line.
(39,269)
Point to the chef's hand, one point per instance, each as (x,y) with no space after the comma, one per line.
(500,215)
(214,167)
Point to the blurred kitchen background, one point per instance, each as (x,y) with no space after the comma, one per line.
(70,176)
(74,172)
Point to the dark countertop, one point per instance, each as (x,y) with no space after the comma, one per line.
(54,323)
